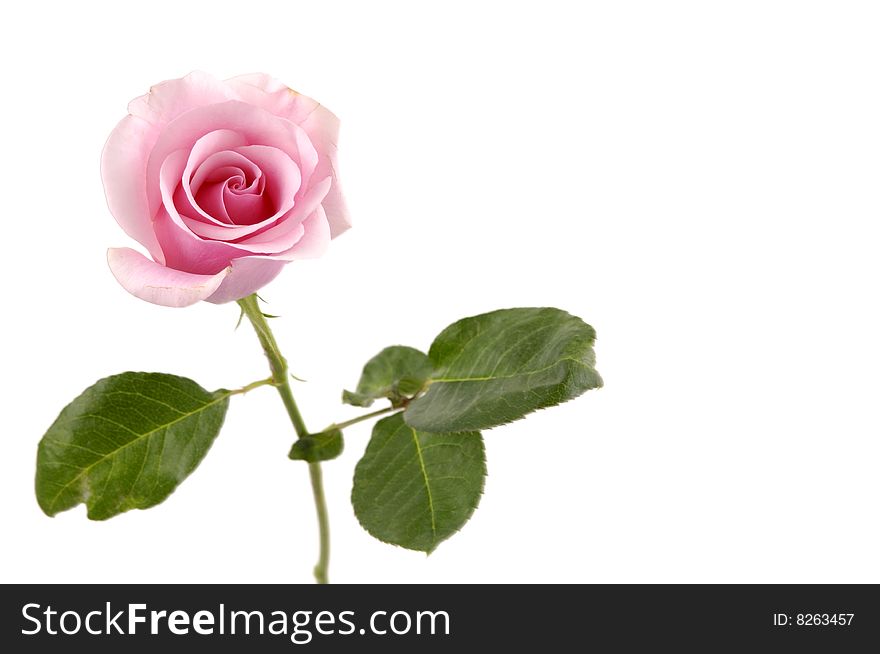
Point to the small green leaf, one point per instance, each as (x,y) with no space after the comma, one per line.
(497,367)
(323,446)
(415,489)
(357,399)
(397,372)
(126,443)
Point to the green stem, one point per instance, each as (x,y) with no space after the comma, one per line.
(244,389)
(281,381)
(317,478)
(366,416)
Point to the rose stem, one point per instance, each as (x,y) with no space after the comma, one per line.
(281,379)
(366,416)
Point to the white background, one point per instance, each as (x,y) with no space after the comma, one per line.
(699,181)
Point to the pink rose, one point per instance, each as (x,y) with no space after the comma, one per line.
(223,182)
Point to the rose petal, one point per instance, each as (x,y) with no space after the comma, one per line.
(184,240)
(315,240)
(208,187)
(319,122)
(282,178)
(278,237)
(185,250)
(210,202)
(255,124)
(123,170)
(247,209)
(247,275)
(190,253)
(168,100)
(275,97)
(282,183)
(334,203)
(207,146)
(158,284)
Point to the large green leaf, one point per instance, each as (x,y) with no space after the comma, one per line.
(414,488)
(126,443)
(397,373)
(497,367)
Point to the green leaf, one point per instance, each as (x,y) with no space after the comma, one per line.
(323,446)
(397,372)
(497,367)
(126,443)
(414,488)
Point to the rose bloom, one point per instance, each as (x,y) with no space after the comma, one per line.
(223,183)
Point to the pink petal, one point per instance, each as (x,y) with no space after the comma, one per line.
(184,249)
(334,203)
(315,239)
(158,284)
(278,237)
(262,82)
(247,209)
(188,252)
(209,208)
(282,183)
(319,122)
(207,146)
(281,175)
(248,275)
(253,123)
(209,188)
(123,171)
(168,100)
(263,91)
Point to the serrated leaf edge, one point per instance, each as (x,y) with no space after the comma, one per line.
(49,510)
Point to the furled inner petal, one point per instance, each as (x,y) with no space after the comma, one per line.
(246,208)
(279,236)
(281,173)
(255,199)
(219,181)
(208,145)
(254,124)
(226,165)
(183,249)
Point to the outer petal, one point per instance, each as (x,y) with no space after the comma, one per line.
(155,283)
(167,100)
(315,239)
(334,203)
(124,173)
(247,275)
(267,92)
(320,124)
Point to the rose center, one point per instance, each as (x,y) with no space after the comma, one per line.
(236,194)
